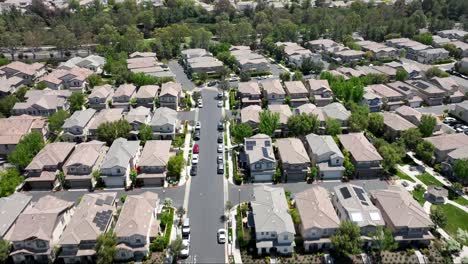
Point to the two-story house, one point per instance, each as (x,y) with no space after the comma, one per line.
(250,115)
(321,92)
(42,170)
(432,55)
(152,164)
(136,226)
(103,116)
(430,93)
(93,216)
(249,93)
(101,97)
(136,118)
(170,95)
(338,112)
(165,123)
(86,159)
(94,63)
(273,92)
(414,116)
(42,103)
(409,223)
(258,157)
(10,85)
(394,125)
(12,206)
(297,93)
(364,156)
(75,128)
(123,95)
(274,228)
(13,129)
(447,143)
(73,79)
(284,113)
(293,159)
(120,160)
(146,95)
(325,154)
(372,100)
(296,54)
(411,96)
(391,99)
(452,88)
(38,229)
(28,72)
(318,218)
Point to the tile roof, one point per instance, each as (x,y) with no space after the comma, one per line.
(273,87)
(336,111)
(315,208)
(384,90)
(163,116)
(29,69)
(318,84)
(292,151)
(52,154)
(155,153)
(106,115)
(147,91)
(10,208)
(283,110)
(86,153)
(396,122)
(249,88)
(359,147)
(120,153)
(102,91)
(125,90)
(171,88)
(251,113)
(259,147)
(448,141)
(12,129)
(79,118)
(295,87)
(136,215)
(323,146)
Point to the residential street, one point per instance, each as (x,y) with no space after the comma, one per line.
(181,77)
(206,199)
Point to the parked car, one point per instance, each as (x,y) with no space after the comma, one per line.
(220,168)
(193,170)
(196,148)
(220,148)
(220,95)
(212,83)
(222,236)
(449,120)
(220,138)
(186,227)
(220,104)
(220,159)
(198,125)
(220,126)
(195,159)
(200,103)
(196,135)
(185,252)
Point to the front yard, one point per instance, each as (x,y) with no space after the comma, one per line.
(456,218)
(418,195)
(404,176)
(428,179)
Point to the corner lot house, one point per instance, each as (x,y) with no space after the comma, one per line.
(364,156)
(153,162)
(297,93)
(293,157)
(451,87)
(250,93)
(28,72)
(136,226)
(100,97)
(123,95)
(318,218)
(41,172)
(321,91)
(165,123)
(170,95)
(274,228)
(42,103)
(93,216)
(326,155)
(273,91)
(258,157)
(120,160)
(86,158)
(38,228)
(12,129)
(409,223)
(75,128)
(11,207)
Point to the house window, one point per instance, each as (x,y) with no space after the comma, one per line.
(262,233)
(118,171)
(285,237)
(72,169)
(258,166)
(41,244)
(337,161)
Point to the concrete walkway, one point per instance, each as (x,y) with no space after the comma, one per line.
(457,205)
(234,248)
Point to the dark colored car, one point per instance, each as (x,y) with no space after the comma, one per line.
(220,126)
(220,138)
(193,170)
(196,136)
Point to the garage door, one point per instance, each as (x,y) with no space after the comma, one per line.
(263,177)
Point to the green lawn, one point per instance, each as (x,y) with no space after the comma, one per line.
(456,218)
(404,176)
(418,195)
(428,179)
(461,201)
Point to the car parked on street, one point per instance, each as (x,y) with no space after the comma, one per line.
(193,170)
(198,125)
(185,252)
(220,159)
(196,135)
(186,227)
(220,168)
(220,148)
(220,138)
(220,104)
(220,126)
(449,120)
(222,236)
(195,159)
(196,149)
(200,103)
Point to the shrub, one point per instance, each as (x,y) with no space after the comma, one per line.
(158,244)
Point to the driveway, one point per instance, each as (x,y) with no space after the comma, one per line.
(181,77)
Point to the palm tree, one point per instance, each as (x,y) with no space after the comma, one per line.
(167,202)
(180,213)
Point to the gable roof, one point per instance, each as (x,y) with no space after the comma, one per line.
(136,215)
(155,153)
(251,113)
(449,141)
(323,145)
(120,153)
(318,84)
(171,88)
(138,114)
(359,147)
(283,110)
(86,153)
(163,116)
(259,147)
(273,87)
(29,69)
(106,115)
(79,118)
(10,208)
(147,91)
(125,90)
(51,155)
(292,151)
(295,87)
(396,122)
(336,111)
(102,91)
(315,208)
(12,129)
(249,88)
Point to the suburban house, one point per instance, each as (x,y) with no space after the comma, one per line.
(103,116)
(336,111)
(412,47)
(13,129)
(86,159)
(451,87)
(452,33)
(274,228)
(364,156)
(11,207)
(251,115)
(372,100)
(318,218)
(75,128)
(414,116)
(295,54)
(321,92)
(249,93)
(411,97)
(413,70)
(391,99)
(346,56)
(460,111)
(273,92)
(430,93)
(42,103)
(93,216)
(249,61)
(352,203)
(136,118)
(38,228)
(120,160)
(258,158)
(394,125)
(409,223)
(93,63)
(379,51)
(297,93)
(10,85)
(28,72)
(284,114)
(170,95)
(100,97)
(152,165)
(123,96)
(293,159)
(41,172)
(310,109)
(432,55)
(199,60)
(165,123)
(446,143)
(325,154)
(137,226)
(194,53)
(349,72)
(147,63)
(73,79)
(146,95)
(321,45)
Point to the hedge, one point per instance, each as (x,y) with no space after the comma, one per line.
(168,229)
(255,74)
(240,229)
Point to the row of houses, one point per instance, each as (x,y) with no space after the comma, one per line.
(296,54)
(321,214)
(37,229)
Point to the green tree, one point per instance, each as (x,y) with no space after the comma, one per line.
(241,131)
(376,123)
(347,164)
(244,76)
(427,125)
(411,137)
(425,151)
(390,156)
(94,80)
(460,170)
(26,150)
(358,122)
(9,180)
(175,165)
(77,101)
(435,71)
(40,85)
(180,212)
(269,122)
(175,247)
(158,244)
(57,120)
(6,105)
(303,124)
(424,38)
(145,133)
(453,51)
(347,239)
(285,76)
(401,75)
(106,248)
(4,250)
(110,131)
(382,240)
(332,127)
(438,217)
(298,76)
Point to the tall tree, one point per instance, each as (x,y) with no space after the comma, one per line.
(382,240)
(26,149)
(145,133)
(77,101)
(269,122)
(175,247)
(460,170)
(106,248)
(332,127)
(411,137)
(303,124)
(376,123)
(347,239)
(57,120)
(175,165)
(427,125)
(110,131)
(425,151)
(4,250)
(241,131)
(439,217)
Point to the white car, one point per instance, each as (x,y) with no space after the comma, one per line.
(449,120)
(222,236)
(198,125)
(200,104)
(220,148)
(185,252)
(195,159)
(220,103)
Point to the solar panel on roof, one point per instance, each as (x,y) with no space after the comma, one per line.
(360,193)
(102,218)
(345,192)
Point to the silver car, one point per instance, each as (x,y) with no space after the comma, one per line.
(220,148)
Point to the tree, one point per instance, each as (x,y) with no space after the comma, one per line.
(438,217)
(57,120)
(176,246)
(269,122)
(167,202)
(241,131)
(298,76)
(133,177)
(424,38)
(425,151)
(158,244)
(303,124)
(347,240)
(427,125)
(180,213)
(308,65)
(77,100)
(401,75)
(411,137)
(4,250)
(145,133)
(110,131)
(390,156)
(175,165)
(26,149)
(347,164)
(332,127)
(106,248)
(376,123)
(9,181)
(382,240)
(453,51)
(228,206)
(285,76)
(358,122)
(6,105)
(244,76)
(435,71)
(94,80)
(460,170)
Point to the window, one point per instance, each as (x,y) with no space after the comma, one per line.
(118,171)
(285,237)
(258,166)
(138,241)
(262,233)
(337,161)
(40,244)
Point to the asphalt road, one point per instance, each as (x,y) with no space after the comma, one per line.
(181,77)
(206,199)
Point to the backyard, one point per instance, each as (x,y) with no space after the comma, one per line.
(456,218)
(418,195)
(428,179)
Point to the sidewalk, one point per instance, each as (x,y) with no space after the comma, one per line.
(233,248)
(184,177)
